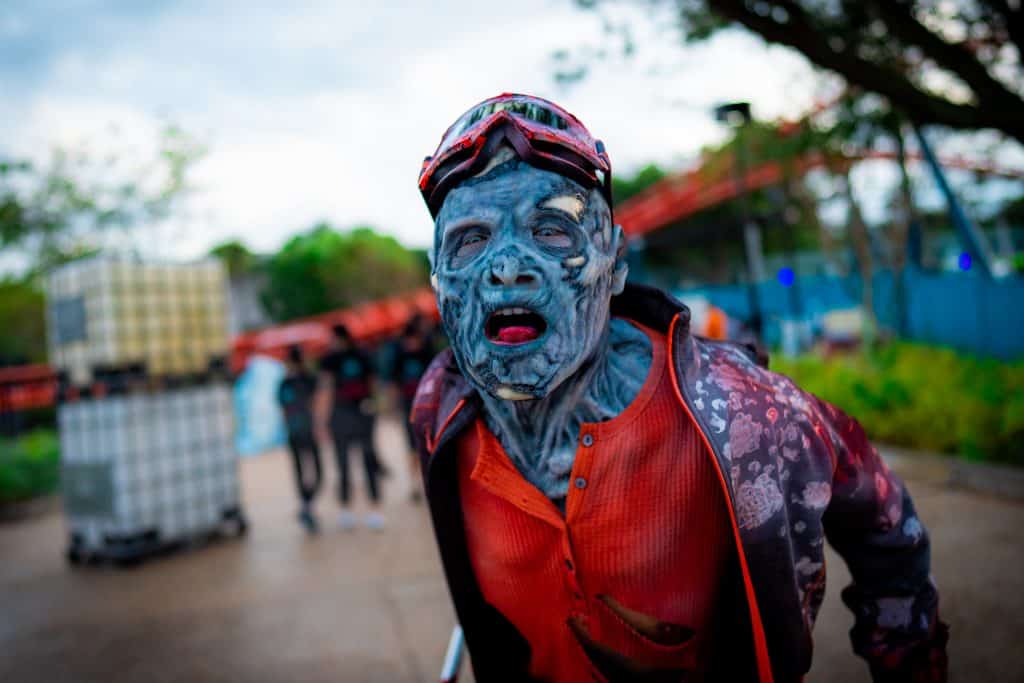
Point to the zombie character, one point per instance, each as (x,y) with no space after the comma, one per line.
(614,498)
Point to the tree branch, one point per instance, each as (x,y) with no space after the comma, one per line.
(1014,19)
(955,58)
(799,34)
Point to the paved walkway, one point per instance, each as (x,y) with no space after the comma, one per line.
(360,606)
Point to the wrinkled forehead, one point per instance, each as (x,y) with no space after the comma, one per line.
(518,188)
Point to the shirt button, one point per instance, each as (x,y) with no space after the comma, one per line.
(581,483)
(588,440)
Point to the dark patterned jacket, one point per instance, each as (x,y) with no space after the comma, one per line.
(796,471)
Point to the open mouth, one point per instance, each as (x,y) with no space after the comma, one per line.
(511,326)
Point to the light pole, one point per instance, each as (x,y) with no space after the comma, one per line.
(736,115)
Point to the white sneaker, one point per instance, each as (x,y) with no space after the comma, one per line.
(346,520)
(375,521)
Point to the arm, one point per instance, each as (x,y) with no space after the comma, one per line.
(871,522)
(322,404)
(373,374)
(280,394)
(372,381)
(391,373)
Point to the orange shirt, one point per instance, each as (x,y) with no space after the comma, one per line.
(638,554)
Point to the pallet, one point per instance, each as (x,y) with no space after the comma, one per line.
(134,378)
(132,550)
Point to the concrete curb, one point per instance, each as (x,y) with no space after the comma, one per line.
(942,470)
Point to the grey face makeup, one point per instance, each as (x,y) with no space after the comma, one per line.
(524,266)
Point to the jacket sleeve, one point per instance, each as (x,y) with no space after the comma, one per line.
(426,404)
(871,522)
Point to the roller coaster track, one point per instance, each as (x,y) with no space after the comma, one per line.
(680,196)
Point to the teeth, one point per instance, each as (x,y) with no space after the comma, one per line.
(513,311)
(510,394)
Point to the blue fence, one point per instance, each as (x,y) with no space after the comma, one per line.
(959,310)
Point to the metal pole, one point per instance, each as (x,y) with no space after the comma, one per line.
(796,299)
(453,657)
(972,238)
(751,240)
(752,251)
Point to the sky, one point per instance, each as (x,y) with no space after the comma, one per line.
(325,112)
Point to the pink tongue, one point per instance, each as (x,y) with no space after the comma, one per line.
(517,334)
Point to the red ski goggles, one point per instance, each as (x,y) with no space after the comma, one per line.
(542,133)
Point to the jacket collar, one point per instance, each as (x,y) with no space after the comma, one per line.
(651,307)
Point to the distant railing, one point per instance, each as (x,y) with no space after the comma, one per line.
(959,310)
(24,387)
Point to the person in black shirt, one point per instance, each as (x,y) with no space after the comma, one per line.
(413,351)
(346,391)
(295,394)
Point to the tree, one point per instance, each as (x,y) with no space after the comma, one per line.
(236,257)
(23,319)
(324,269)
(62,209)
(1011,212)
(950,62)
(624,188)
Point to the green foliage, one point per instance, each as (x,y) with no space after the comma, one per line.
(236,257)
(325,269)
(29,465)
(1018,262)
(624,188)
(923,397)
(23,321)
(1012,211)
(758,142)
(62,209)
(897,50)
(707,247)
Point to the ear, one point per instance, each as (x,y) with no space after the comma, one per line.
(432,252)
(621,267)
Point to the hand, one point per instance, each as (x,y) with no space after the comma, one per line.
(320,433)
(368,406)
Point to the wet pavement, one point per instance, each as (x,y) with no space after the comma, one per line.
(365,606)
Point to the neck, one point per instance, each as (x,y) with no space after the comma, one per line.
(540,435)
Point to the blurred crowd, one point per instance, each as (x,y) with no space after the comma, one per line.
(335,399)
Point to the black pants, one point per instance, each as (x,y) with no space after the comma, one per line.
(349,427)
(306,456)
(410,432)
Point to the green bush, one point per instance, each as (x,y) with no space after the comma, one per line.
(923,397)
(1018,262)
(29,465)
